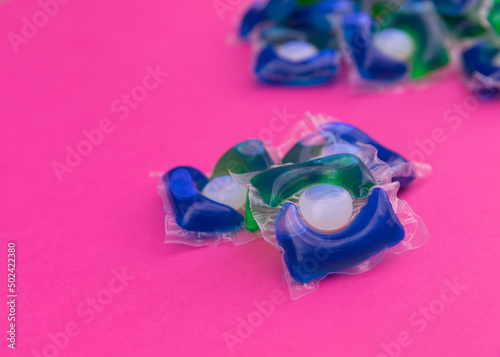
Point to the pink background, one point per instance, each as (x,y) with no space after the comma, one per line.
(105,215)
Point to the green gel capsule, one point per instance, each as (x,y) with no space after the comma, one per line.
(250,222)
(345,170)
(310,146)
(247,156)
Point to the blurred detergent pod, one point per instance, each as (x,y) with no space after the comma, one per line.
(290,56)
(481,63)
(410,44)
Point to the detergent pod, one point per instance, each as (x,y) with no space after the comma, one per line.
(338,137)
(286,55)
(409,45)
(202,211)
(481,63)
(300,48)
(333,214)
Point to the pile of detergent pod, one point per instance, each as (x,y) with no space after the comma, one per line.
(384,42)
(328,202)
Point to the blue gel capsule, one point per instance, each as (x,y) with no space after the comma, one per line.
(296,57)
(352,135)
(370,61)
(482,67)
(309,254)
(193,211)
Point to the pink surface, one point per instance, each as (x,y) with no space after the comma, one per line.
(75,232)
